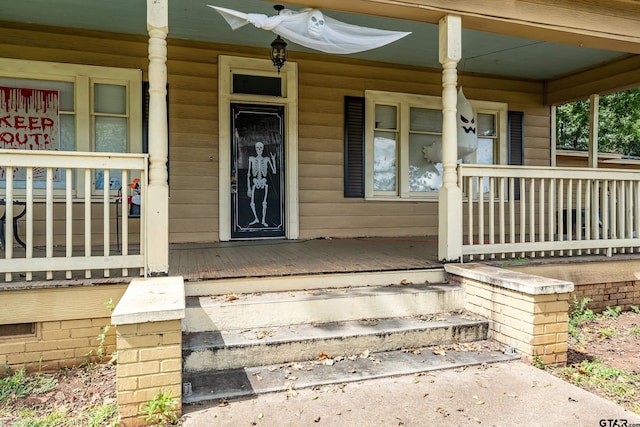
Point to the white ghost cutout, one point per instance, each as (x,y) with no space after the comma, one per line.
(311,28)
(467,135)
(315,24)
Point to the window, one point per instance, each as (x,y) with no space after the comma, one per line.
(99,109)
(403,143)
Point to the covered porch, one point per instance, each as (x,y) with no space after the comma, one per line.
(524,206)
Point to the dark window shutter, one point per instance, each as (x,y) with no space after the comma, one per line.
(353,146)
(516,144)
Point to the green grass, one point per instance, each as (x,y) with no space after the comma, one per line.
(612,312)
(580,313)
(608,332)
(635,332)
(19,384)
(97,416)
(615,382)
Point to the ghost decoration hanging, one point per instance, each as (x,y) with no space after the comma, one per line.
(466,130)
(311,28)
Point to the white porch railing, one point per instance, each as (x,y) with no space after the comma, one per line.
(544,211)
(66,213)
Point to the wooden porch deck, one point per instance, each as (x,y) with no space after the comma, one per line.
(259,258)
(264,258)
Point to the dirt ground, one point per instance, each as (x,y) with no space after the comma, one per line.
(76,391)
(613,341)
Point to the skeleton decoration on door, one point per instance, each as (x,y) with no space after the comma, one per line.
(467,137)
(311,28)
(257,180)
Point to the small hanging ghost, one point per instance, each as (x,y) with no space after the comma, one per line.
(466,130)
(311,28)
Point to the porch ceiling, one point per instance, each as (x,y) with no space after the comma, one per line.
(483,52)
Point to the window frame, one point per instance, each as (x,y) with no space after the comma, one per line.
(83,78)
(403,103)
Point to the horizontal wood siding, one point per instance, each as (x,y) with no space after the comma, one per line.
(324,81)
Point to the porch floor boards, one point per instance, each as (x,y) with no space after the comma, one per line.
(264,258)
(259,258)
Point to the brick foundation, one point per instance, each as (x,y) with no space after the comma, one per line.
(609,283)
(66,320)
(57,344)
(603,295)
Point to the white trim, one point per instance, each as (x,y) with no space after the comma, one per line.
(403,101)
(83,77)
(227,66)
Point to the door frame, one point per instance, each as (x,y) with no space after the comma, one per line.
(227,66)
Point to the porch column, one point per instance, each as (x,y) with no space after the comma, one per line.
(450,195)
(594,107)
(157,220)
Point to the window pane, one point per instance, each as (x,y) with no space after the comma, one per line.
(386,117)
(257,85)
(67,132)
(384,161)
(425,120)
(485,157)
(110,99)
(486,124)
(423,174)
(111,136)
(485,151)
(65,89)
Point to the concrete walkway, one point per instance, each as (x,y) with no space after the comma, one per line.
(502,394)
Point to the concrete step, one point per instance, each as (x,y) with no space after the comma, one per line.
(272,309)
(217,350)
(301,282)
(335,372)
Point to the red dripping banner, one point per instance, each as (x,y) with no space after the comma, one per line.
(29,120)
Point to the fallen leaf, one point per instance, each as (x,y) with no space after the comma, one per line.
(260,416)
(439,352)
(316,420)
(315,397)
(364,354)
(231,297)
(323,356)
(263,334)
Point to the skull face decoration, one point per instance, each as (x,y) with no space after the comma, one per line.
(315,24)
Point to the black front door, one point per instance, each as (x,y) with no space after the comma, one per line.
(257,171)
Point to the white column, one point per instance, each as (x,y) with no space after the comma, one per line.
(450,195)
(594,107)
(157,236)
